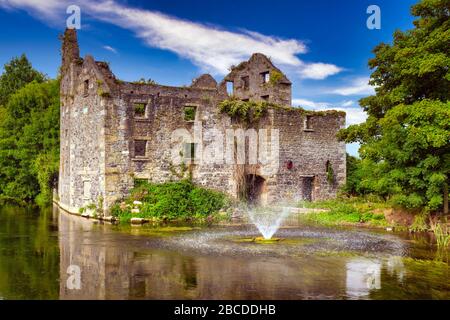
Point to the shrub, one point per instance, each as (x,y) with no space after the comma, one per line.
(171,201)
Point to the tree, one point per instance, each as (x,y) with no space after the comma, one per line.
(17,73)
(412,155)
(412,79)
(29,142)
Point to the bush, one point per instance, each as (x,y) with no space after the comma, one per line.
(180,200)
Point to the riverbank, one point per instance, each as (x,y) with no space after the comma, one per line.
(355,212)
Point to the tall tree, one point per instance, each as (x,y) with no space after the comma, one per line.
(412,80)
(29,142)
(17,73)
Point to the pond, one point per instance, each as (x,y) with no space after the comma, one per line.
(39,251)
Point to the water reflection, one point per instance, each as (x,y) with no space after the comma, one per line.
(117,266)
(363,275)
(43,255)
(29,254)
(125,269)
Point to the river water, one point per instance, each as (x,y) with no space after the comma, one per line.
(47,254)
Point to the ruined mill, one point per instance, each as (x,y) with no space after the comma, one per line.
(115,134)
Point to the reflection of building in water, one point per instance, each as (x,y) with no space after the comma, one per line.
(396,267)
(118,266)
(363,275)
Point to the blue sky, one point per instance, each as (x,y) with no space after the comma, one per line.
(323,45)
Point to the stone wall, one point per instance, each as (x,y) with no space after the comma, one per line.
(102,135)
(258,79)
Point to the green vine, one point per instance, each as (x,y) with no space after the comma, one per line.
(247,111)
(275,77)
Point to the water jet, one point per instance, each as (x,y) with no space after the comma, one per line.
(268,219)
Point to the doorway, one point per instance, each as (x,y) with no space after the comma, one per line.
(307,188)
(255,187)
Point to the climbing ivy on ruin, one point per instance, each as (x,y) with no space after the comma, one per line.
(246,111)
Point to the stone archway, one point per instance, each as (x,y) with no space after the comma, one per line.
(255,187)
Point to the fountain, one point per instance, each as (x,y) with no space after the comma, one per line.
(268,221)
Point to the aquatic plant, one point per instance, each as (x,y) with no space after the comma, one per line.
(420,223)
(442,233)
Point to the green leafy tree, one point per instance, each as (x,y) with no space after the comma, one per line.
(408,153)
(29,142)
(17,73)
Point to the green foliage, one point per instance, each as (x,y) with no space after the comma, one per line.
(275,77)
(352,184)
(29,143)
(420,223)
(144,81)
(139,109)
(17,73)
(345,211)
(171,201)
(442,233)
(189,113)
(411,158)
(404,142)
(139,182)
(246,111)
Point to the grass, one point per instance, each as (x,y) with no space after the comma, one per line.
(442,233)
(345,211)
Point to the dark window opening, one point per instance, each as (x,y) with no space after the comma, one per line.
(308,125)
(86,87)
(245,100)
(329,171)
(246,82)
(265,98)
(140,147)
(265,77)
(230,88)
(139,109)
(189,113)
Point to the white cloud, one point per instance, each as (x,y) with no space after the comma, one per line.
(50,8)
(319,71)
(355,115)
(348,103)
(309,104)
(211,48)
(358,86)
(109,48)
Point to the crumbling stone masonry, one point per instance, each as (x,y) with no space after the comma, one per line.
(114,133)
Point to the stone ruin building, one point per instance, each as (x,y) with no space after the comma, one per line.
(115,134)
